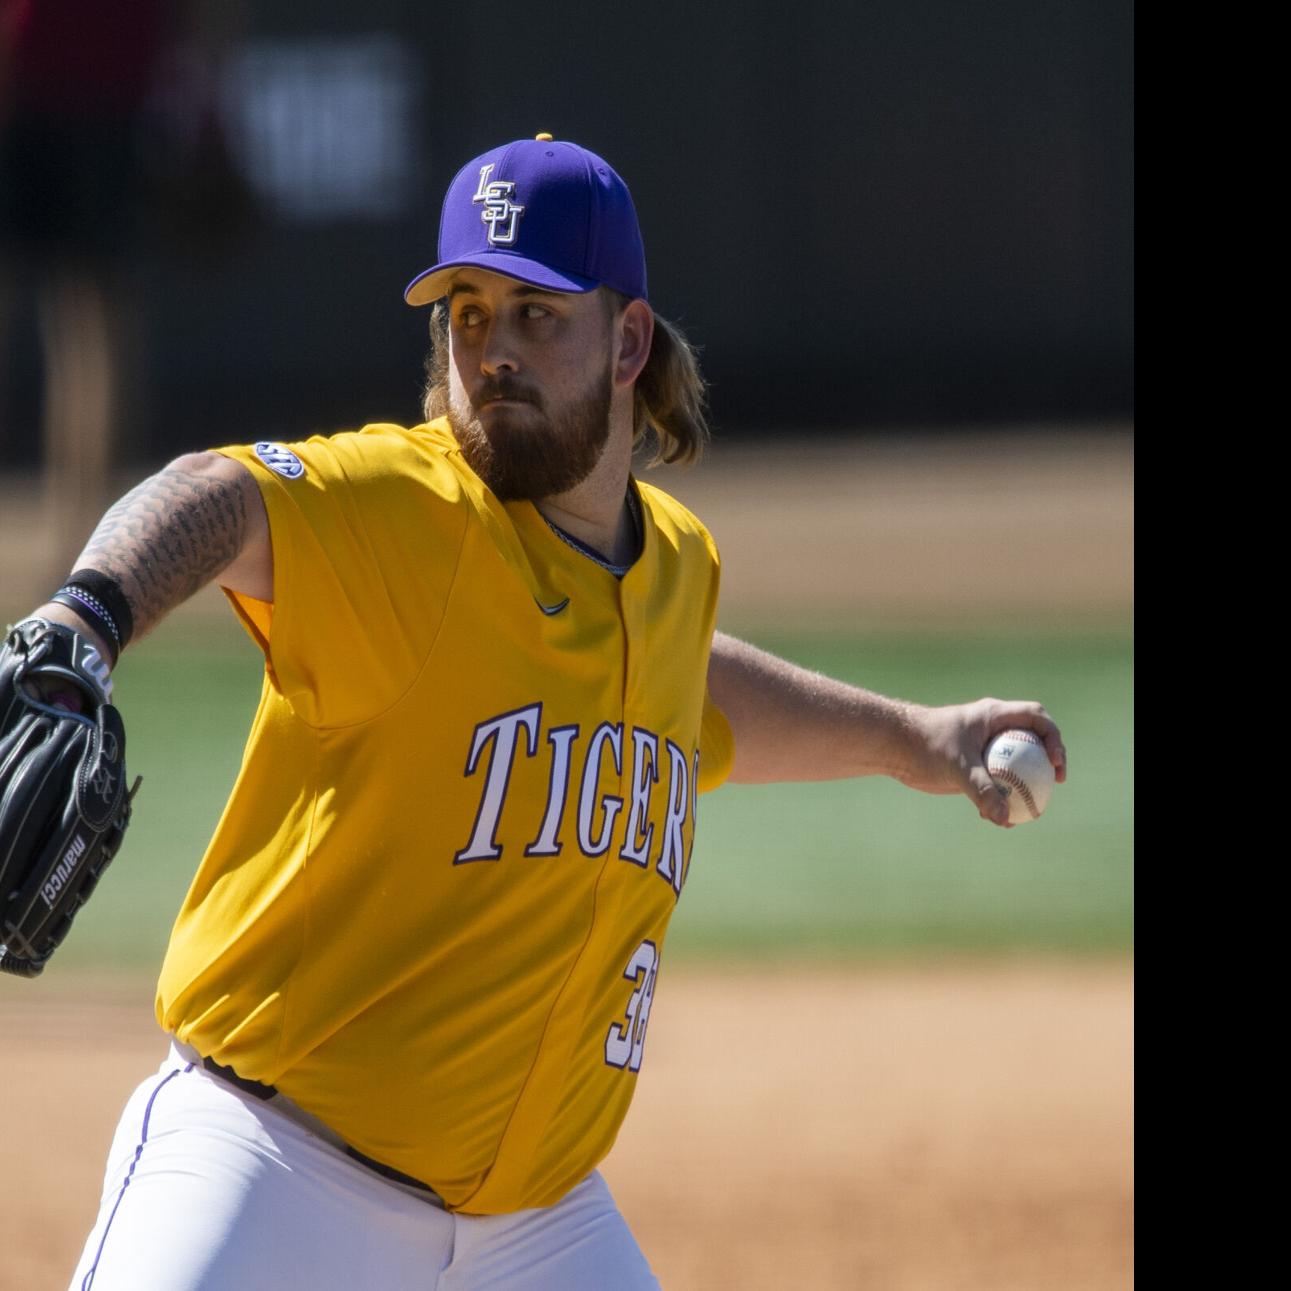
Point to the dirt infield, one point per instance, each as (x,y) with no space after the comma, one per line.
(952,1127)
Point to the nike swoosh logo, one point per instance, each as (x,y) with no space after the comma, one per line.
(551,609)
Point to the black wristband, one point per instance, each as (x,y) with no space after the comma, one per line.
(94,613)
(109,592)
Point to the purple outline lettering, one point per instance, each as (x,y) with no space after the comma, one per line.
(612,731)
(628,1042)
(547,844)
(502,733)
(639,854)
(674,843)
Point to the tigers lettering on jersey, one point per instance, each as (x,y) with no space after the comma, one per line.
(597,813)
(480,752)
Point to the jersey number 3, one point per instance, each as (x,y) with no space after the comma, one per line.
(624,1044)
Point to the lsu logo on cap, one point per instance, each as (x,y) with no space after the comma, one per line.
(280,459)
(500,213)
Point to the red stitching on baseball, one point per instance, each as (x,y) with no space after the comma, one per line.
(1028,737)
(1024,791)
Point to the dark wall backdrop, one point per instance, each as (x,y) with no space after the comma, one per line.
(869,215)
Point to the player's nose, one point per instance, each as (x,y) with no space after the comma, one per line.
(499,352)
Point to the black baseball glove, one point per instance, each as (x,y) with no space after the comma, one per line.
(63,802)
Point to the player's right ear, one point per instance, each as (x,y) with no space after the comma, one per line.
(635,332)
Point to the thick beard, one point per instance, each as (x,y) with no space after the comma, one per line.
(534,454)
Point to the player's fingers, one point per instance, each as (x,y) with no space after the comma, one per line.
(1035,718)
(1057,752)
(992,802)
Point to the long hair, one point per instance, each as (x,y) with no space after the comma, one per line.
(669,402)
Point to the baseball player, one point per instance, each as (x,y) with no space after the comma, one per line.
(409,990)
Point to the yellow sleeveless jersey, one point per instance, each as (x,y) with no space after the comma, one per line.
(434,907)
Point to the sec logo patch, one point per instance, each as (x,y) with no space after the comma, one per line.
(280,458)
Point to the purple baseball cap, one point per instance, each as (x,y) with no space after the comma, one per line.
(546,212)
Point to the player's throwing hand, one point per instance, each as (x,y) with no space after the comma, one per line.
(954,739)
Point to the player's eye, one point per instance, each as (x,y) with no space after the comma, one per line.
(532,311)
(469,316)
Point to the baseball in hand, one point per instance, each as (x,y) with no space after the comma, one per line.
(1020,766)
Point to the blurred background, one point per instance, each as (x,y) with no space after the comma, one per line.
(871,216)
(901,233)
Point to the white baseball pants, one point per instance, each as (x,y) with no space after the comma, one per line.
(209,1189)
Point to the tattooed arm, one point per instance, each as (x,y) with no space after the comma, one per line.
(200,518)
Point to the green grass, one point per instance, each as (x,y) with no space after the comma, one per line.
(842,868)
(868,866)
